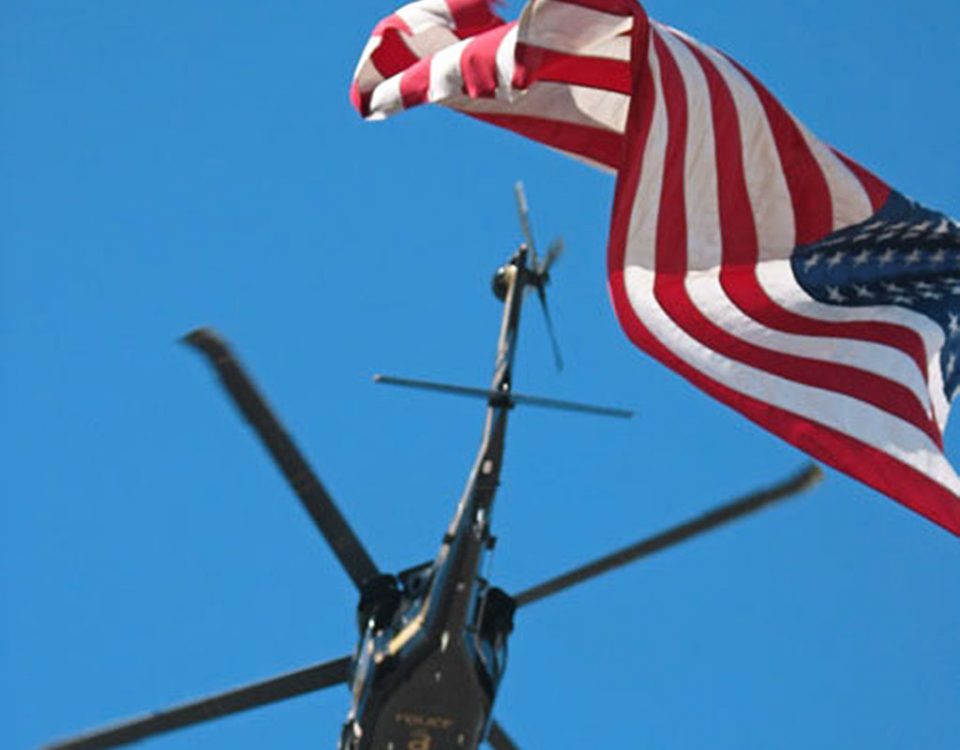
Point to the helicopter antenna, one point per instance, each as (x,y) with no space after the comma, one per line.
(540,273)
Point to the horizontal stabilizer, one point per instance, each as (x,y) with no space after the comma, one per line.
(499,398)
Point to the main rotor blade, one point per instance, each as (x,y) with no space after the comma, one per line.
(313,495)
(511,398)
(799,482)
(551,332)
(252,696)
(498,739)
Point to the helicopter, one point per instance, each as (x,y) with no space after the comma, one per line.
(433,639)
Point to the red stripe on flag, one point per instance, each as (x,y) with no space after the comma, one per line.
(599,145)
(614,7)
(391,23)
(392,55)
(740,244)
(875,468)
(877,190)
(639,124)
(478,63)
(809,191)
(540,64)
(415,83)
(671,293)
(360,99)
(472,17)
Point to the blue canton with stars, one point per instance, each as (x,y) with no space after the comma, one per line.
(904,255)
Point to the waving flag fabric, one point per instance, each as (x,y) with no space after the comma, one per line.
(765,267)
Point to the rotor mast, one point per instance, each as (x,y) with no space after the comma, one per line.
(509,284)
(469,532)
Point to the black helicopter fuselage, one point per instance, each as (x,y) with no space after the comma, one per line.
(434,638)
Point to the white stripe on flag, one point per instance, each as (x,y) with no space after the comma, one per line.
(563,27)
(446,78)
(506,64)
(851,204)
(366,75)
(772,208)
(426,14)
(559,102)
(847,415)
(643,224)
(705,256)
(850,416)
(386,99)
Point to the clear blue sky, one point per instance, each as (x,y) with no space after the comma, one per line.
(170,164)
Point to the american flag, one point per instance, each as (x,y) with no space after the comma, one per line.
(768,269)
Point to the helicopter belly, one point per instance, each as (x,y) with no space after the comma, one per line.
(438,705)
